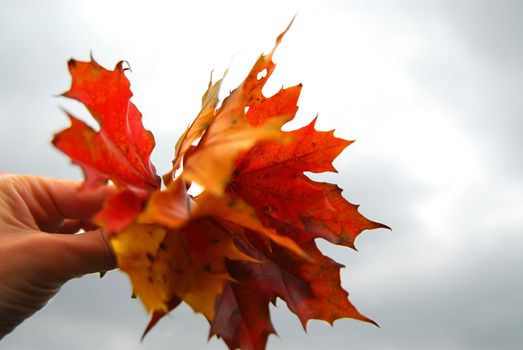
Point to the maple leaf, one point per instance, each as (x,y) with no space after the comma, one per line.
(201,122)
(229,131)
(311,290)
(120,151)
(188,263)
(249,237)
(270,177)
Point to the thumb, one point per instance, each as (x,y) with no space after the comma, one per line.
(85,253)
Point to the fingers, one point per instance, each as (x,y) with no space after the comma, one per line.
(50,201)
(73,226)
(84,253)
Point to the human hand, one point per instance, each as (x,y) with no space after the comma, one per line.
(39,251)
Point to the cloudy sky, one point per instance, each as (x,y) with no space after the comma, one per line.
(431,91)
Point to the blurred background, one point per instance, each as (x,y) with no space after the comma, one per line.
(431,91)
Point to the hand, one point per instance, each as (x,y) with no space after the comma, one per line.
(39,251)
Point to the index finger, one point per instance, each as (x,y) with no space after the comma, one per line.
(50,201)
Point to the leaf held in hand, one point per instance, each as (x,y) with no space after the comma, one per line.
(249,237)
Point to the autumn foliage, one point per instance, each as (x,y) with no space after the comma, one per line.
(249,237)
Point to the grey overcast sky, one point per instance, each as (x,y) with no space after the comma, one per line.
(431,91)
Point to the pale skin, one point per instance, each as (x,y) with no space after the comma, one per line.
(39,250)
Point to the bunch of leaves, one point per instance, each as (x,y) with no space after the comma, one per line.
(249,237)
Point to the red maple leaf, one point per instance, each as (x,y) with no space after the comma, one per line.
(120,151)
(249,237)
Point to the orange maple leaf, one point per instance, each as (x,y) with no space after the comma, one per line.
(249,237)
